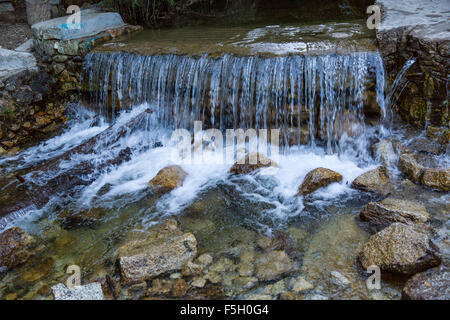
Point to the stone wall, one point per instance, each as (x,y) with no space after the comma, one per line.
(424,100)
(33,99)
(418,30)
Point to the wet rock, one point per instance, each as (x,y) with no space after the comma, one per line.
(390,210)
(245,282)
(252,162)
(299,284)
(339,279)
(214,277)
(179,288)
(318,178)
(410,167)
(222,265)
(40,271)
(83,218)
(16,247)
(438,178)
(198,282)
(160,287)
(273,265)
(287,296)
(260,297)
(168,178)
(375,181)
(441,135)
(384,150)
(164,249)
(191,269)
(92,291)
(247,267)
(400,248)
(425,145)
(433,284)
(205,259)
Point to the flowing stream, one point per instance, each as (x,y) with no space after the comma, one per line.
(133,102)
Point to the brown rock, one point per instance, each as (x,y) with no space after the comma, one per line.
(179,288)
(410,167)
(15,247)
(438,178)
(318,178)
(400,248)
(252,162)
(168,178)
(375,181)
(390,210)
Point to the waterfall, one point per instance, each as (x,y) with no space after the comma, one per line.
(323,95)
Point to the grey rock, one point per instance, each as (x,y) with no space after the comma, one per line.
(92,291)
(27,46)
(164,249)
(433,284)
(93,22)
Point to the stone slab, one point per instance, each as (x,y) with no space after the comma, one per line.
(92,22)
(428,19)
(13,61)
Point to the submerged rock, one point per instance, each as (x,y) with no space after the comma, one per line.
(165,249)
(390,210)
(400,248)
(318,178)
(375,181)
(16,247)
(410,167)
(179,288)
(438,178)
(433,284)
(299,284)
(252,162)
(168,178)
(92,291)
(273,265)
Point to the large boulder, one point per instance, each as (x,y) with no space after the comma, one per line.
(438,178)
(410,167)
(433,284)
(16,247)
(391,210)
(273,265)
(92,291)
(318,178)
(375,181)
(168,179)
(252,162)
(400,248)
(164,248)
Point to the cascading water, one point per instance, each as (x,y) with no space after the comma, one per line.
(324,94)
